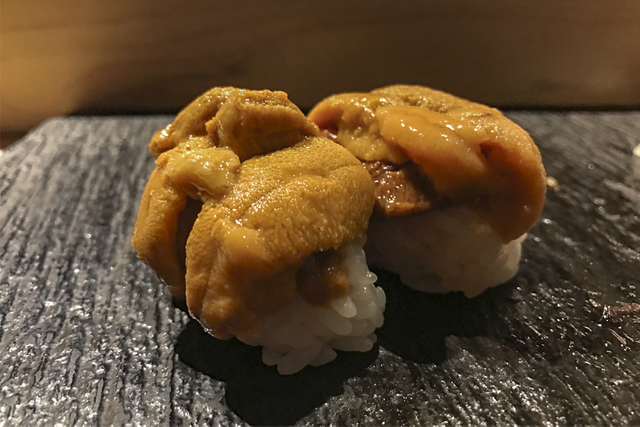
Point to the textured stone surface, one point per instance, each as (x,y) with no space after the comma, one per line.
(89,336)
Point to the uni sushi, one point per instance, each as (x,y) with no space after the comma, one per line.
(457,184)
(258,221)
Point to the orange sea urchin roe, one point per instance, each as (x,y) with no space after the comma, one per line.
(470,153)
(293,197)
(249,122)
(285,206)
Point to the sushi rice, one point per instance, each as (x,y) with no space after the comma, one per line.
(443,250)
(302,334)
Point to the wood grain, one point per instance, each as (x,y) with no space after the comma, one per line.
(88,335)
(94,56)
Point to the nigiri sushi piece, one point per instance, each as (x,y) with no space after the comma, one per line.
(457,184)
(258,222)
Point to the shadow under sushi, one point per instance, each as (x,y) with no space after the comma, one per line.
(416,327)
(418,323)
(256,392)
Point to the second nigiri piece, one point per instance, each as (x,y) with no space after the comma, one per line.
(457,184)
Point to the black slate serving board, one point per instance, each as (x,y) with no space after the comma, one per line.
(88,335)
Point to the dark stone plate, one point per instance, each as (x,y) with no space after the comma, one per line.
(89,336)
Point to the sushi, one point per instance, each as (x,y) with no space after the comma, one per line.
(258,222)
(457,184)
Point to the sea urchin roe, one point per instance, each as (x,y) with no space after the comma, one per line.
(351,121)
(470,153)
(158,231)
(285,206)
(246,121)
(322,278)
(244,182)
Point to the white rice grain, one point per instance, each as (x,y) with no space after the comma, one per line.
(302,334)
(444,250)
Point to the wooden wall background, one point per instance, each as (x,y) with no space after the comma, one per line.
(96,56)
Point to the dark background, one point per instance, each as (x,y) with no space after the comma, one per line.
(95,56)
